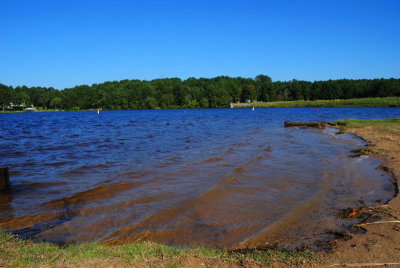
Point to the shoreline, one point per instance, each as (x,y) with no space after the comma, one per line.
(377,102)
(332,103)
(370,150)
(380,244)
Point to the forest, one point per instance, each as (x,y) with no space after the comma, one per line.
(169,93)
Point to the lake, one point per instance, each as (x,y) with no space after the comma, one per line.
(213,177)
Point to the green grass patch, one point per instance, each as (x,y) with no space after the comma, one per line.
(37,110)
(21,253)
(46,110)
(10,112)
(391,124)
(363,102)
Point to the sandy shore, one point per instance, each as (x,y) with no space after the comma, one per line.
(381,243)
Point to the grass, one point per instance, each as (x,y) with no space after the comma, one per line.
(364,102)
(21,253)
(391,124)
(21,111)
(9,112)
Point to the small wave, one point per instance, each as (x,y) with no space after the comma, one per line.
(84,169)
(299,219)
(230,180)
(57,164)
(40,185)
(262,156)
(239,169)
(213,159)
(14,154)
(239,144)
(229,151)
(173,159)
(360,158)
(98,193)
(162,165)
(27,221)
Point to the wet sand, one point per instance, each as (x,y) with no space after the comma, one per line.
(381,243)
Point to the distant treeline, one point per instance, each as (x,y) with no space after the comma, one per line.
(193,93)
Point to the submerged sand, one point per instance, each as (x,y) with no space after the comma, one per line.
(380,245)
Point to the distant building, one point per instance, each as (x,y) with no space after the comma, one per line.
(30,110)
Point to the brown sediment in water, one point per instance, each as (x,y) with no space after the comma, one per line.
(213,159)
(243,195)
(236,201)
(380,244)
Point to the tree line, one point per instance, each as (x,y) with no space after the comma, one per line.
(191,93)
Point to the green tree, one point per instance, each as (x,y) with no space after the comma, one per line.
(204,103)
(151,103)
(249,92)
(22,98)
(193,92)
(265,88)
(6,95)
(167,101)
(55,103)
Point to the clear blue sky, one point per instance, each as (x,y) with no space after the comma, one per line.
(63,43)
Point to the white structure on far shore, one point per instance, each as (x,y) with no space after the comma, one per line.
(30,110)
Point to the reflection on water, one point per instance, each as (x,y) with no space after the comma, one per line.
(225,178)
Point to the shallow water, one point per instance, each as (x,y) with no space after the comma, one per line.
(216,177)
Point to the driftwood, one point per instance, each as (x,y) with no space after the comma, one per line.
(4,179)
(376,222)
(316,124)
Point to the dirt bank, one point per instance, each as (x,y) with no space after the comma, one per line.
(381,243)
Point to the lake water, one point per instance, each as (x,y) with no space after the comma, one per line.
(213,177)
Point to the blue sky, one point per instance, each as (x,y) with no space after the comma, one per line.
(63,43)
